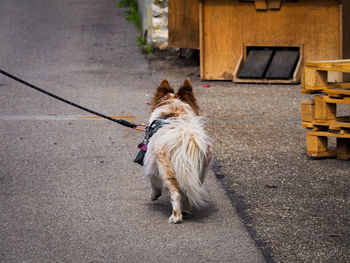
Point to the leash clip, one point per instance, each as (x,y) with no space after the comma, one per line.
(140,129)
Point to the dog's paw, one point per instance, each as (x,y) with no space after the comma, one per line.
(187,212)
(175,219)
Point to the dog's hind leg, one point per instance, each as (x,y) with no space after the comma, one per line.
(156,187)
(151,171)
(171,185)
(185,205)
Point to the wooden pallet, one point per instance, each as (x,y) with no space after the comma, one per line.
(315,77)
(320,114)
(317,144)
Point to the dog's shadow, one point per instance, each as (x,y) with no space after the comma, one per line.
(163,207)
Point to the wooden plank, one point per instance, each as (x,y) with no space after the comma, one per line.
(342,65)
(339,126)
(201,39)
(335,86)
(330,125)
(327,99)
(317,146)
(322,154)
(183,24)
(326,63)
(307,125)
(324,111)
(344,85)
(337,92)
(314,78)
(307,110)
(219,49)
(334,67)
(338,89)
(329,134)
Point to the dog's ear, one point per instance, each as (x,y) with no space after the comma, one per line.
(185,94)
(162,90)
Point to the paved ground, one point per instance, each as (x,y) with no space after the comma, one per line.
(69,191)
(296,208)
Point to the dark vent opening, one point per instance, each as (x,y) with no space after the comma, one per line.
(270,63)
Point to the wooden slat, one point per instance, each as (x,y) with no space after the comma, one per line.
(317,146)
(201,39)
(183,24)
(307,110)
(329,134)
(330,65)
(326,89)
(314,78)
(218,39)
(337,92)
(324,111)
(311,63)
(340,68)
(331,125)
(344,85)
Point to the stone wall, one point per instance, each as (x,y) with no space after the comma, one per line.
(154,19)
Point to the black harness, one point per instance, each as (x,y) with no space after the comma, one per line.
(150,131)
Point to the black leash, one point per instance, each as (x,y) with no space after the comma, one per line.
(119,121)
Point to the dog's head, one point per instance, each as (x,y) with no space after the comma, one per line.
(166,95)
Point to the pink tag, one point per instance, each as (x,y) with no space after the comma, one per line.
(144,147)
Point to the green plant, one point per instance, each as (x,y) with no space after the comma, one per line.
(133,16)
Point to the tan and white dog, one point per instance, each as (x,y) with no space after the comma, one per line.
(179,153)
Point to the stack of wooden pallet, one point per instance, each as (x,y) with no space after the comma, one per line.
(320,114)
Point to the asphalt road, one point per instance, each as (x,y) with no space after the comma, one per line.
(69,190)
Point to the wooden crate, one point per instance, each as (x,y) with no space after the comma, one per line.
(228,27)
(320,114)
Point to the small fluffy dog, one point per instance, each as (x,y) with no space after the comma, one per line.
(179,152)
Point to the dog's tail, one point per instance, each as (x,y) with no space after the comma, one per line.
(189,147)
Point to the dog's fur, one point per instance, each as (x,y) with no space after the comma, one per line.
(178,155)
